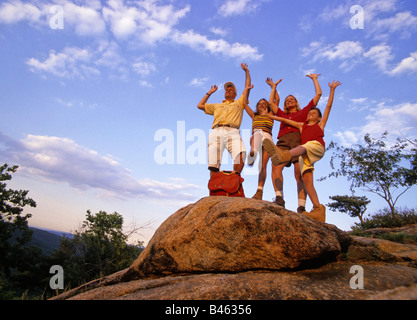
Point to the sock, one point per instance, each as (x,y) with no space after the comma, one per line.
(279,193)
(301,203)
(261,188)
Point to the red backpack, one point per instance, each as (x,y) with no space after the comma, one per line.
(226,183)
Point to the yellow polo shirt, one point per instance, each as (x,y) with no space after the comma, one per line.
(227,112)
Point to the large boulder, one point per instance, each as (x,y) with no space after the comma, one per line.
(222,234)
(236,248)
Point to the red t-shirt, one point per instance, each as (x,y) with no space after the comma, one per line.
(313,132)
(299,116)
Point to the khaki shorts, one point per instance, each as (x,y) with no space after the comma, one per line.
(290,141)
(223,138)
(315,151)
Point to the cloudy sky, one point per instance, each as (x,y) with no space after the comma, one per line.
(98,98)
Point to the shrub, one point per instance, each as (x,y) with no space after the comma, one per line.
(386,219)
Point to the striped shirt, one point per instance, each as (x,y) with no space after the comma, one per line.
(262,123)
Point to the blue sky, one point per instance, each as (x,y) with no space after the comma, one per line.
(100,112)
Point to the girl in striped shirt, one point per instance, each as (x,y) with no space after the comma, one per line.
(261,129)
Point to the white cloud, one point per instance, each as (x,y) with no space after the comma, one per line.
(198,82)
(398,120)
(237,7)
(202,43)
(146,20)
(61,160)
(382,18)
(347,53)
(380,55)
(86,21)
(72,62)
(16,11)
(406,65)
(145,84)
(143,68)
(218,31)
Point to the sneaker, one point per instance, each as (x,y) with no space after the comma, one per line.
(258,195)
(277,155)
(318,213)
(279,200)
(301,209)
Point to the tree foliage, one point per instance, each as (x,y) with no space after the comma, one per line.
(12,220)
(98,249)
(352,205)
(387,171)
(18,262)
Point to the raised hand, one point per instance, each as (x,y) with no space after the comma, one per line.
(334,84)
(272,83)
(313,75)
(212,90)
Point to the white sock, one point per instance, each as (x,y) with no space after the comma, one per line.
(279,193)
(301,203)
(261,188)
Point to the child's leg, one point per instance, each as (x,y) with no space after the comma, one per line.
(309,186)
(263,164)
(263,161)
(255,142)
(300,188)
(319,211)
(298,151)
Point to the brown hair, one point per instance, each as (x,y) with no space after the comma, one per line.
(257,111)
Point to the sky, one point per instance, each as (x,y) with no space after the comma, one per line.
(98,99)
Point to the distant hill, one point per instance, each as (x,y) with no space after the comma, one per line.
(46,240)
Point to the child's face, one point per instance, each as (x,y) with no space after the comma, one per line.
(262,106)
(313,116)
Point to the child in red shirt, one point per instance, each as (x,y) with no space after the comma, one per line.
(311,150)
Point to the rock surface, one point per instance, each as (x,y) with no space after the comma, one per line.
(221,234)
(236,248)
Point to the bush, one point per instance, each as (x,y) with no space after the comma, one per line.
(385,219)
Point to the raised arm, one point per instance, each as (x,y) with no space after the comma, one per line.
(314,77)
(245,101)
(326,112)
(202,104)
(248,81)
(274,98)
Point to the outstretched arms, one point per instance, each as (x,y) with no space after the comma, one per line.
(326,112)
(274,96)
(298,125)
(314,77)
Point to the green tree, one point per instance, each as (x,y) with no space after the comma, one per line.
(352,205)
(16,260)
(376,167)
(98,249)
